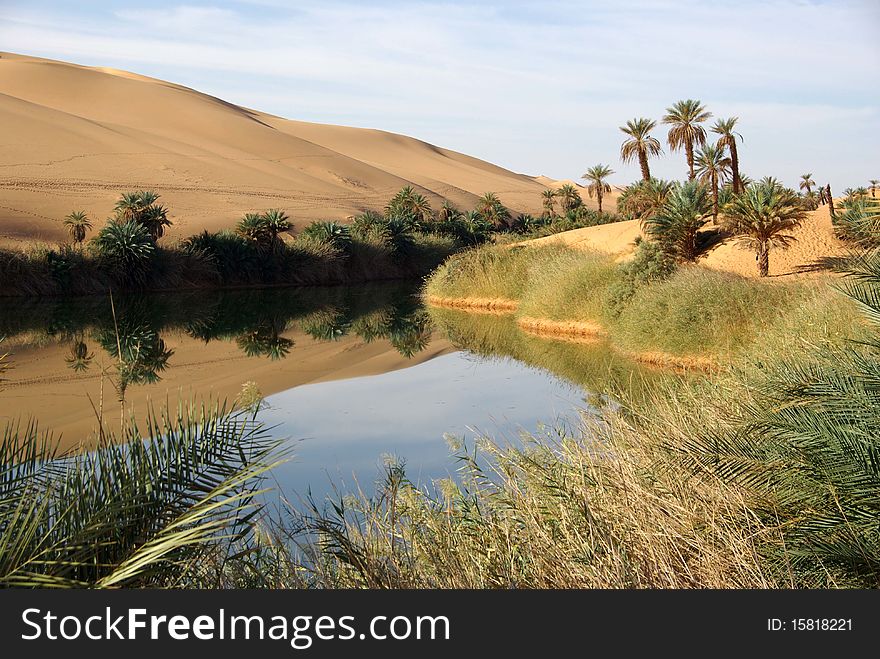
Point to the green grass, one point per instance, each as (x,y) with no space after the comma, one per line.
(698,311)
(572,285)
(695,311)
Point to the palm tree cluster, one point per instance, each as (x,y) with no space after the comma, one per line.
(265,228)
(141,207)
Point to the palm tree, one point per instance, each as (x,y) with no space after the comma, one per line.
(253,226)
(277,222)
(712,166)
(675,226)
(491,209)
(727,138)
(873,183)
(154,219)
(807,183)
(570,197)
(760,218)
(141,207)
(830,201)
(640,144)
(80,357)
(596,185)
(549,201)
(643,199)
(685,118)
(78,224)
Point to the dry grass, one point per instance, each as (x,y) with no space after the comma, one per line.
(605,509)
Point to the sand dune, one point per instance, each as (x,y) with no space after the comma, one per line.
(76,136)
(815,240)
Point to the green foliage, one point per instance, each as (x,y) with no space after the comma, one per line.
(494,212)
(126,249)
(675,225)
(334,234)
(154,509)
(410,208)
(697,311)
(761,217)
(368,224)
(141,207)
(643,199)
(805,447)
(77,224)
(859,223)
(650,263)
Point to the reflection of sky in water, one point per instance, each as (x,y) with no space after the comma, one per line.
(346,426)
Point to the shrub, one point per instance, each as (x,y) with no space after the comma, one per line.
(331,233)
(859,223)
(650,263)
(125,248)
(676,224)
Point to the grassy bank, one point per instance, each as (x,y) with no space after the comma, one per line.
(690,312)
(218,261)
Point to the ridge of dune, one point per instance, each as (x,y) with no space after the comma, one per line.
(77,136)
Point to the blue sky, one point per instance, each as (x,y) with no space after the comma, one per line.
(539,87)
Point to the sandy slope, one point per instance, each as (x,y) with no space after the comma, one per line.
(40,386)
(74,137)
(815,239)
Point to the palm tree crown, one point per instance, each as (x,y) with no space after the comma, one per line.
(807,183)
(676,224)
(685,118)
(77,224)
(596,185)
(640,145)
(761,217)
(712,166)
(549,201)
(724,128)
(492,210)
(570,197)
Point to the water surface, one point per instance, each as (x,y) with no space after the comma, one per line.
(350,374)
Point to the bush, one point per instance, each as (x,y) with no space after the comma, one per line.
(125,249)
(331,233)
(650,263)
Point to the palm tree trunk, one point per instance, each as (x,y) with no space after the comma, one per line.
(599,199)
(689,151)
(734,166)
(764,259)
(830,201)
(715,199)
(643,162)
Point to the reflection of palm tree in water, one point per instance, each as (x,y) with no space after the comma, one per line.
(140,352)
(265,341)
(79,358)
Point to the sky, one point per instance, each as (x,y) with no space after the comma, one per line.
(537,87)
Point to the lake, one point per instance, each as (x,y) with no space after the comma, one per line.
(350,375)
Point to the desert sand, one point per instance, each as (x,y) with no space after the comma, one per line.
(815,240)
(77,136)
(41,387)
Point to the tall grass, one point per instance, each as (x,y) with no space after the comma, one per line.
(604,509)
(692,311)
(701,311)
